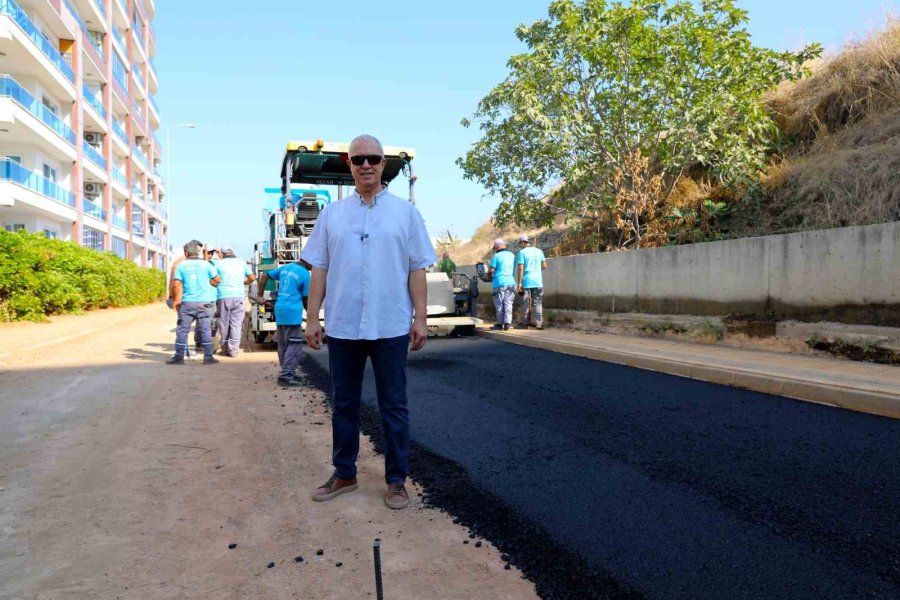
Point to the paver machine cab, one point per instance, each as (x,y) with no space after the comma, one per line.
(451,308)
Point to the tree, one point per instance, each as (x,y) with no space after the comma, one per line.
(613,104)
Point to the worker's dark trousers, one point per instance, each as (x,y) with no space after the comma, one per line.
(188,312)
(290,349)
(198,343)
(231,320)
(347,362)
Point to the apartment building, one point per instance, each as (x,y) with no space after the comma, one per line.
(79,156)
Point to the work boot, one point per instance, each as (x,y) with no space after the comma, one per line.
(334,487)
(210,360)
(497,327)
(506,326)
(396,496)
(175,360)
(284,382)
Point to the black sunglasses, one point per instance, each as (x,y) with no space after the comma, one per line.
(359,159)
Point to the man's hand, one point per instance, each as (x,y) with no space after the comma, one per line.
(176,307)
(418,335)
(314,334)
(260,300)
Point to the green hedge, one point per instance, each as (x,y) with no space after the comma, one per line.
(40,277)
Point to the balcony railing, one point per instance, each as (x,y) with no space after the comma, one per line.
(119,39)
(137,192)
(154,238)
(94,101)
(138,75)
(13,171)
(155,106)
(98,212)
(95,156)
(137,229)
(10,88)
(120,73)
(120,223)
(119,130)
(9,7)
(101,6)
(137,153)
(138,37)
(119,177)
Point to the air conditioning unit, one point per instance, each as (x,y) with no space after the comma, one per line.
(141,140)
(94,139)
(92,189)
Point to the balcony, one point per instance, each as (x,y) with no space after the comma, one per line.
(137,229)
(138,156)
(95,156)
(153,79)
(16,173)
(137,192)
(11,9)
(94,101)
(139,51)
(92,209)
(10,88)
(92,47)
(120,14)
(139,78)
(120,73)
(120,223)
(119,177)
(117,37)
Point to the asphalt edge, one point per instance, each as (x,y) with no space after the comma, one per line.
(848,398)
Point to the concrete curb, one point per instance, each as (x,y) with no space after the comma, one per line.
(870,401)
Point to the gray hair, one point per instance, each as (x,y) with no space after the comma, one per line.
(368,138)
(192,248)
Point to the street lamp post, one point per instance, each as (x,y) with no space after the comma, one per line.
(169,182)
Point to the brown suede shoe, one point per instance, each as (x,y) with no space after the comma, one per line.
(396,496)
(334,487)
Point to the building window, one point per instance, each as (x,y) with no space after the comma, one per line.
(14,227)
(51,234)
(92,238)
(16,158)
(50,105)
(49,173)
(119,247)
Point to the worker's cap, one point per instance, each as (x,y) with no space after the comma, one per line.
(499,243)
(524,238)
(226,249)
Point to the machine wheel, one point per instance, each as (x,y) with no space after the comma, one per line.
(261,336)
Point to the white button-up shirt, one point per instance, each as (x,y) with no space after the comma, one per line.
(369,251)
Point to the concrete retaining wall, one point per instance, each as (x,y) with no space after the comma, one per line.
(850,274)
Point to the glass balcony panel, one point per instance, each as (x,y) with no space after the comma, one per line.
(119,130)
(13,171)
(94,210)
(10,88)
(119,177)
(11,8)
(94,101)
(95,156)
(120,223)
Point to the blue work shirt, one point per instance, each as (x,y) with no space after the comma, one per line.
(194,275)
(532,275)
(293,287)
(233,272)
(369,252)
(503,263)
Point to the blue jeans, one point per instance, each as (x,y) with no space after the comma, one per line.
(347,363)
(188,312)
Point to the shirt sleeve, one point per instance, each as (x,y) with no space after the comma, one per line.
(213,271)
(543,258)
(421,250)
(275,274)
(520,258)
(304,284)
(179,274)
(316,250)
(493,264)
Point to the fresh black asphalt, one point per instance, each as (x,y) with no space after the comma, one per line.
(600,480)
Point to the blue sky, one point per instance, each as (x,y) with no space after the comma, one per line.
(253,75)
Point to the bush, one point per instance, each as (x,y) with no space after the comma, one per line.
(41,277)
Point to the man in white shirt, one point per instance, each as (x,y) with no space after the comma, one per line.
(368,254)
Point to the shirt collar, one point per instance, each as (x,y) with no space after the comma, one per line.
(374,200)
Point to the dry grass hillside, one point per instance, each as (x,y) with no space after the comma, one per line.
(839,164)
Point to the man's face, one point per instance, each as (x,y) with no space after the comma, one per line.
(367,176)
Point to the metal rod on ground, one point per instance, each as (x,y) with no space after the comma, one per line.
(376,550)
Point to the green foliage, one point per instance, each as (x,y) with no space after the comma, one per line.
(40,277)
(614,103)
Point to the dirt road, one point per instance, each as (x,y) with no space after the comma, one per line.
(122,477)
